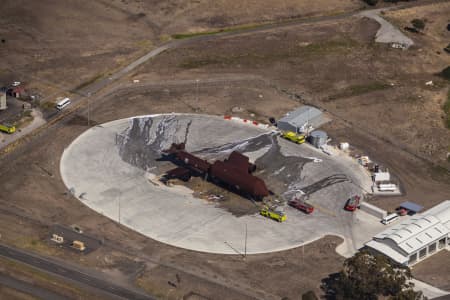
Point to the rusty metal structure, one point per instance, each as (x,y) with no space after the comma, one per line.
(235,172)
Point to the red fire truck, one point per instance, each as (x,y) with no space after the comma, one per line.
(352,203)
(301,205)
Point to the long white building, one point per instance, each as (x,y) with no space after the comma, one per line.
(416,238)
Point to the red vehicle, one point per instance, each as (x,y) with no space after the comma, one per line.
(352,203)
(300,205)
(402,212)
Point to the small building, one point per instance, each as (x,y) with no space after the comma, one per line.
(381,176)
(318,138)
(415,238)
(3,105)
(411,207)
(302,119)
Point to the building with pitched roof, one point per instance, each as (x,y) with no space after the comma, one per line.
(416,238)
(302,119)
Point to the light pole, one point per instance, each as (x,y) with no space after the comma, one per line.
(89,110)
(245,245)
(196,91)
(118,204)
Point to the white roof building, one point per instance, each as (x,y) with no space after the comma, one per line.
(302,119)
(417,237)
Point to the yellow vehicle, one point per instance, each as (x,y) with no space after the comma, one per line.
(7,128)
(294,137)
(275,215)
(78,245)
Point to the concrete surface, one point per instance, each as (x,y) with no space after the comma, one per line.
(387,33)
(111,169)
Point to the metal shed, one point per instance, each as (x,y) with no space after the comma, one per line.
(318,138)
(302,119)
(411,206)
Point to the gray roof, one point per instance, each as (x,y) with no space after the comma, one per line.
(319,134)
(411,206)
(301,115)
(414,233)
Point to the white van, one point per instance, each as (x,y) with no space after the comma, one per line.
(63,103)
(389,219)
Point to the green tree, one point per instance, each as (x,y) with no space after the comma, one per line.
(418,24)
(446,73)
(368,276)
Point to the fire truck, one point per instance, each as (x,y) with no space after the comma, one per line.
(301,205)
(352,203)
(273,214)
(294,137)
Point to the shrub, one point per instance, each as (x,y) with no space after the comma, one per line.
(445,73)
(371,2)
(418,24)
(309,295)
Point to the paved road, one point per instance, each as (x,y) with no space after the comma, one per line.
(29,288)
(69,272)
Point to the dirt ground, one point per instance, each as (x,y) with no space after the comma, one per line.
(337,67)
(426,271)
(53,55)
(375,94)
(37,198)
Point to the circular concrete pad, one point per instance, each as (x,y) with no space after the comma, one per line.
(112,167)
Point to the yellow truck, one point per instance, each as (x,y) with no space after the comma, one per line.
(273,214)
(7,128)
(294,137)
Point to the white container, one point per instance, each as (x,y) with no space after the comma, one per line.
(344,146)
(387,187)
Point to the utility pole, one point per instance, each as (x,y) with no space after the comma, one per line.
(196,91)
(89,110)
(119,207)
(245,245)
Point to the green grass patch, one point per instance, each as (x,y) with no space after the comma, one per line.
(447,110)
(360,89)
(87,82)
(289,53)
(180,36)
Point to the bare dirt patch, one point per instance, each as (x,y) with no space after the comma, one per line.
(434,270)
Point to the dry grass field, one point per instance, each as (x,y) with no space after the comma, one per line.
(376,96)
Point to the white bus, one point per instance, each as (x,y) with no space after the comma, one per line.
(389,219)
(63,103)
